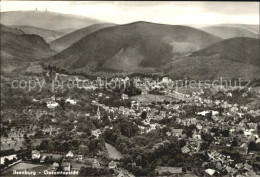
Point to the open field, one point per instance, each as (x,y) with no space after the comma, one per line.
(20,167)
(113,153)
(56,156)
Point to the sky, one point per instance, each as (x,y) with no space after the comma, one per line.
(166,12)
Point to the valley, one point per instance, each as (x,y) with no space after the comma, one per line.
(83,96)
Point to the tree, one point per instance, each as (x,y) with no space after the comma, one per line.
(26,139)
(6,162)
(172,162)
(225,133)
(128,128)
(139,160)
(207,137)
(62,103)
(105,119)
(25,136)
(234,143)
(184,170)
(240,132)
(220,111)
(39,134)
(252,146)
(65,146)
(83,150)
(44,144)
(87,108)
(144,115)
(209,115)
(75,143)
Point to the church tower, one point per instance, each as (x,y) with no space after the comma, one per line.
(98,113)
(51,131)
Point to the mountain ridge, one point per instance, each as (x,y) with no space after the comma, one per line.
(226,32)
(229,59)
(47,34)
(47,20)
(236,49)
(70,38)
(156,45)
(19,49)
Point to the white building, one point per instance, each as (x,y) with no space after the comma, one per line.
(71,101)
(70,154)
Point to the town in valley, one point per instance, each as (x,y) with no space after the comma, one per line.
(83,96)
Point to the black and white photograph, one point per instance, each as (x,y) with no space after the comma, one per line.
(130,88)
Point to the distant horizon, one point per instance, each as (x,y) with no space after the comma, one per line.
(80,16)
(165,12)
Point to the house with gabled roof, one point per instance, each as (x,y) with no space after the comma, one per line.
(177,132)
(36,155)
(95,164)
(55,165)
(112,165)
(66,166)
(185,149)
(70,154)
